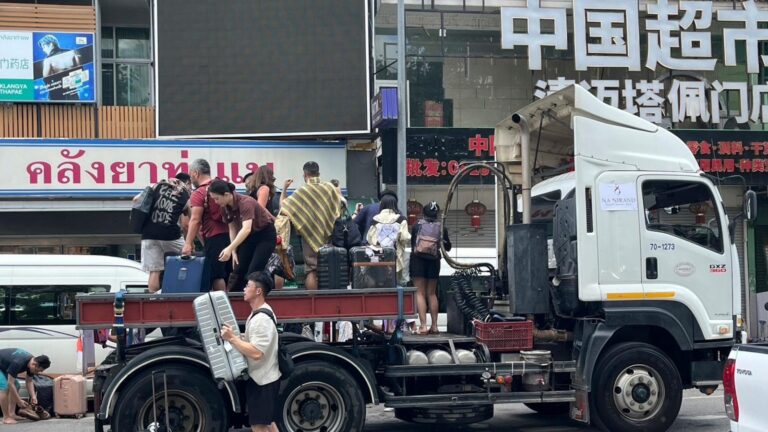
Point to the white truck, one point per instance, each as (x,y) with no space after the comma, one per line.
(643,301)
(744,383)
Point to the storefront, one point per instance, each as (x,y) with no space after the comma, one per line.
(73,196)
(692,66)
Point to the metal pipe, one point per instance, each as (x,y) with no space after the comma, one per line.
(401,109)
(525,144)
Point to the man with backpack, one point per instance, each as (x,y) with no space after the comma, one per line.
(161,233)
(260,346)
(425,263)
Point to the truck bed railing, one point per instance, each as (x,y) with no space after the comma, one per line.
(96,311)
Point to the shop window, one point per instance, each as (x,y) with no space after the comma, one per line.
(47,305)
(685,210)
(126,66)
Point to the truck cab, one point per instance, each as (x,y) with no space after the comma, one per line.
(646,274)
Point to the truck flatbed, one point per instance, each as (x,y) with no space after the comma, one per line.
(95,311)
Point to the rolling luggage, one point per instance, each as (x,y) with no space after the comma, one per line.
(44,390)
(183,274)
(69,396)
(373,267)
(332,268)
(212,311)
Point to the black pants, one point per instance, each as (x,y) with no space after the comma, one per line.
(252,255)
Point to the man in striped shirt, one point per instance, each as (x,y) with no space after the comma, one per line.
(313,208)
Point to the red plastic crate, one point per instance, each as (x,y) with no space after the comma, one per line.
(510,336)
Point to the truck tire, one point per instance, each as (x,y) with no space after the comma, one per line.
(450,415)
(194,402)
(550,409)
(636,388)
(320,396)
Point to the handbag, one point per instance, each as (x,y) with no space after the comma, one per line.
(346,233)
(141,209)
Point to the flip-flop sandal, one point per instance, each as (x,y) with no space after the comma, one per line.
(42,413)
(433,332)
(29,414)
(421,332)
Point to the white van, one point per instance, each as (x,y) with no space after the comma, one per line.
(37,301)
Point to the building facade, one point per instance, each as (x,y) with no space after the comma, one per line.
(695,67)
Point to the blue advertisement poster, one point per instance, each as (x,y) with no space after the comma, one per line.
(47,67)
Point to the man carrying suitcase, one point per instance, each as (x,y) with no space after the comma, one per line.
(206,219)
(14,361)
(259,346)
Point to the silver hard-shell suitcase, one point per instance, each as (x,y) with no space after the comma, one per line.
(212,311)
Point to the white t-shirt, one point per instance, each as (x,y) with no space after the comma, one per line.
(261,332)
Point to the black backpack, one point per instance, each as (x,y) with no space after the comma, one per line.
(284,360)
(346,233)
(141,209)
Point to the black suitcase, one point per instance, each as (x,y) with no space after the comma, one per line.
(332,268)
(373,267)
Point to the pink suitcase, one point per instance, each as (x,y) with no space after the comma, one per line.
(69,398)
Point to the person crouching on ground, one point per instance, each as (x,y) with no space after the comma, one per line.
(14,361)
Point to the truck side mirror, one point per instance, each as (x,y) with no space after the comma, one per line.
(750,205)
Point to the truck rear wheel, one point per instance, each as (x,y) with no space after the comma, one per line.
(449,415)
(320,397)
(636,388)
(194,402)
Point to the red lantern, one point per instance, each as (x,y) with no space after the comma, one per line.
(475,210)
(414,210)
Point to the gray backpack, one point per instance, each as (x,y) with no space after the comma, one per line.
(428,240)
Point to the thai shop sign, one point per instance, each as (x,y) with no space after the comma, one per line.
(434,154)
(81,168)
(679,33)
(47,67)
(729,152)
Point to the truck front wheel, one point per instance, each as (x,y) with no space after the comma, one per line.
(194,403)
(319,397)
(636,388)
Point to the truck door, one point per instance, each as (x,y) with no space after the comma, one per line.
(685,250)
(618,235)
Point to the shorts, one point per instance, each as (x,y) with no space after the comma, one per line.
(153,253)
(261,401)
(4,382)
(310,257)
(213,247)
(424,268)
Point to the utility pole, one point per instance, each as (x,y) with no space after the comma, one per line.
(401,109)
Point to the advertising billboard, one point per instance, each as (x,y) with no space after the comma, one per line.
(262,68)
(47,67)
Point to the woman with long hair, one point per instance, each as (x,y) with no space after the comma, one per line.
(252,232)
(261,186)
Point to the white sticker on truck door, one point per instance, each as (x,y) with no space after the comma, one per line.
(618,197)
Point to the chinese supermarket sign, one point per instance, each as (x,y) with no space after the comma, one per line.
(729,152)
(606,34)
(113,168)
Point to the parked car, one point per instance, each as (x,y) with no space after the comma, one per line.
(745,380)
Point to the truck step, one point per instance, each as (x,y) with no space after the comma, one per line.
(479,398)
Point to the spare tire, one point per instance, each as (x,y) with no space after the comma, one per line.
(450,415)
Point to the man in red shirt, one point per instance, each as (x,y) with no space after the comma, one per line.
(206,218)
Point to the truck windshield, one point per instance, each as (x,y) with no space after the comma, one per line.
(684,209)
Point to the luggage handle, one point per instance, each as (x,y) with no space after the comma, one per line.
(217,336)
